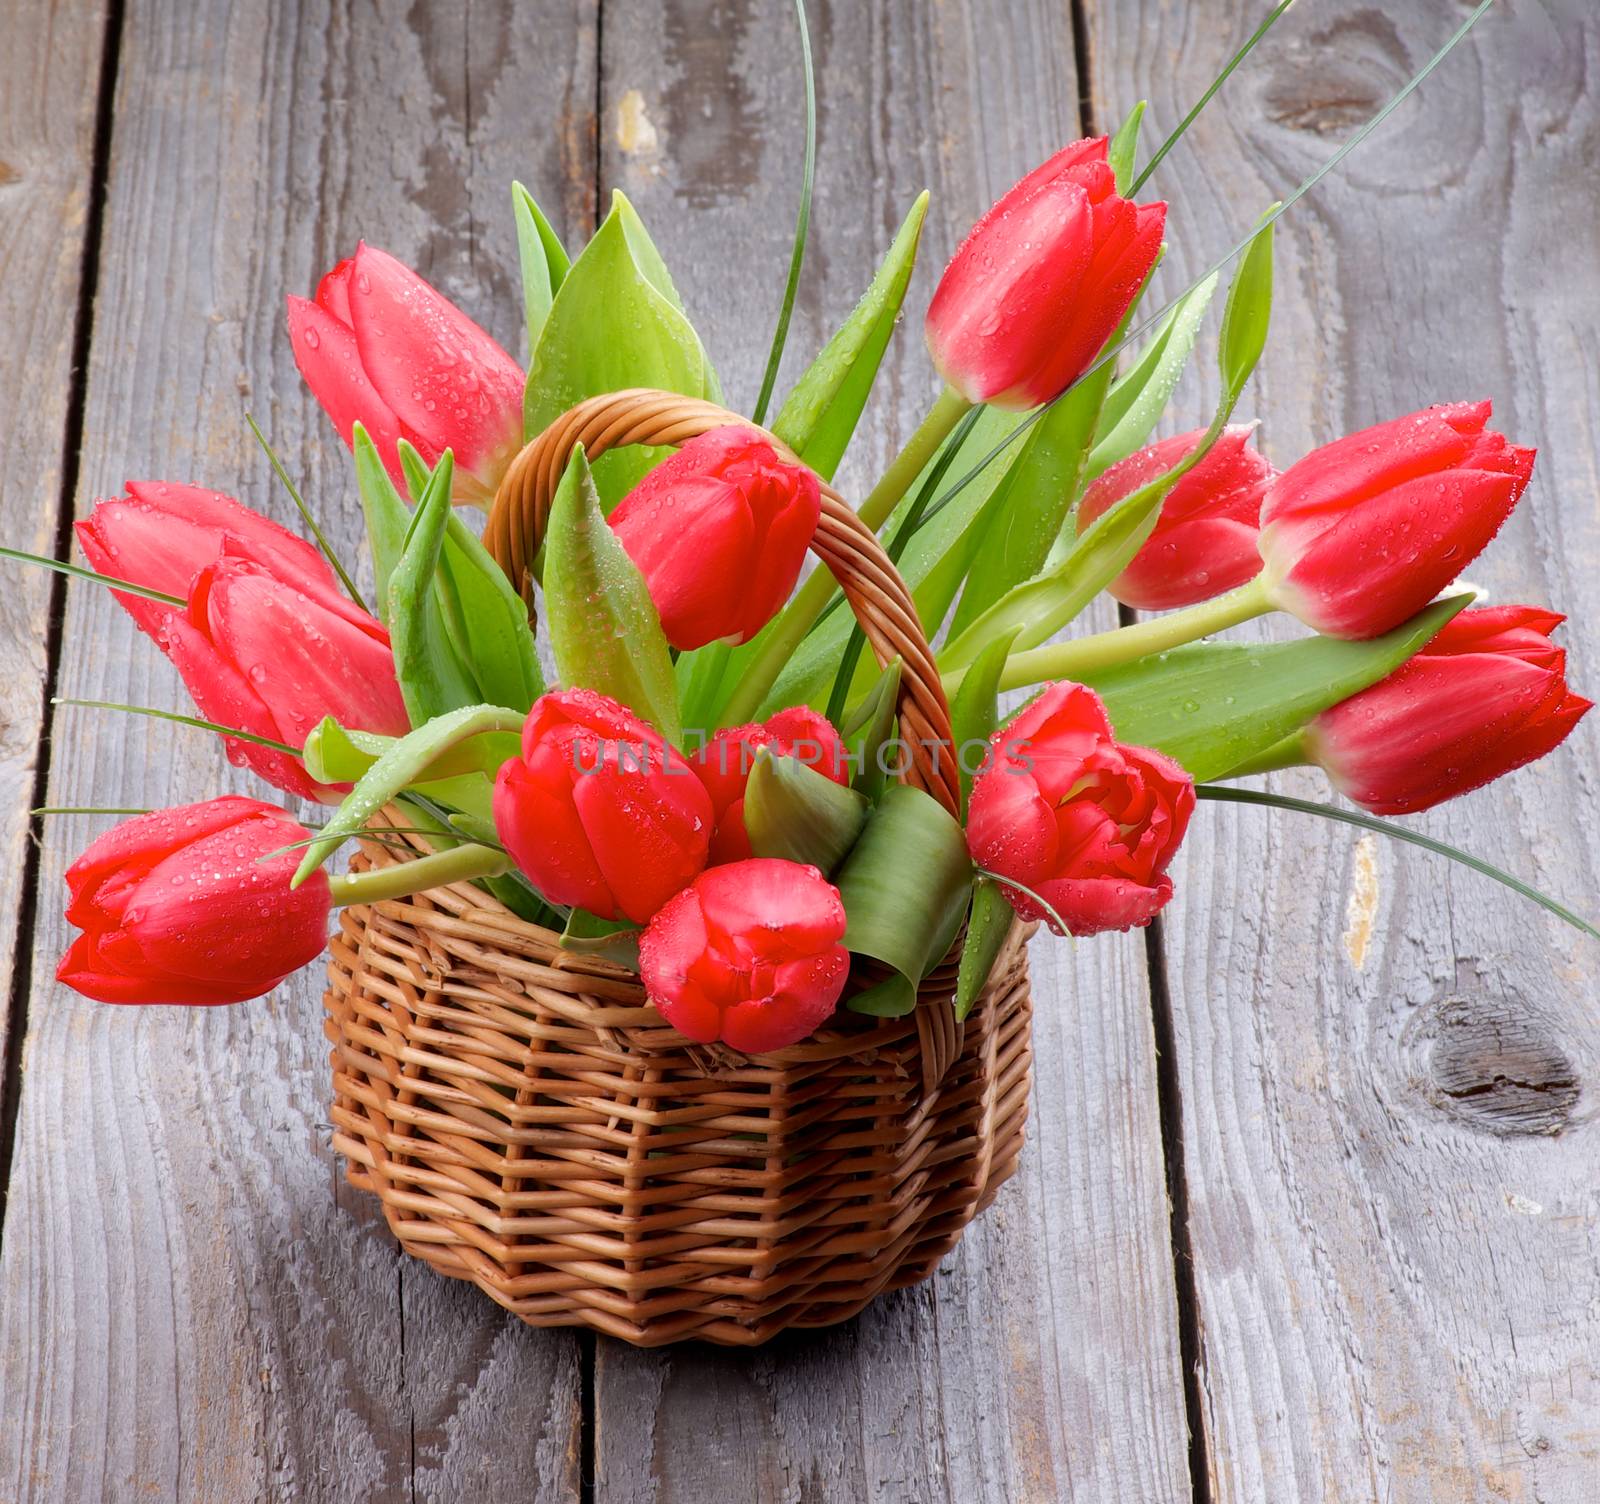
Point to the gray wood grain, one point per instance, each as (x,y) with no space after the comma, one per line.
(1388,1064)
(193,1306)
(47,116)
(1041,1361)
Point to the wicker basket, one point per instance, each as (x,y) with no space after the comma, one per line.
(531,1124)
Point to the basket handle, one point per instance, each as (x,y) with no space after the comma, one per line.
(865,572)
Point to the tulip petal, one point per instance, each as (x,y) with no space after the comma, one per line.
(1382,562)
(223,695)
(441,374)
(326,353)
(131,848)
(163,534)
(546,837)
(1347,472)
(650,834)
(304,662)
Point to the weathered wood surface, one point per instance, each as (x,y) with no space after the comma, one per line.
(1379,1096)
(192,1304)
(1042,1361)
(1387,1063)
(47,124)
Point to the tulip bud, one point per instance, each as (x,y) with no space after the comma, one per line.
(162,535)
(1204,541)
(177,906)
(379,346)
(260,654)
(719,531)
(724,765)
(748,954)
(1362,533)
(1485,697)
(1041,281)
(1088,824)
(599,811)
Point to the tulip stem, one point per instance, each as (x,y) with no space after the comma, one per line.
(1091,655)
(439,870)
(1289,753)
(788,630)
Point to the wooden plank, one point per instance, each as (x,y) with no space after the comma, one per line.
(193,1306)
(1386,1062)
(47,122)
(1041,1361)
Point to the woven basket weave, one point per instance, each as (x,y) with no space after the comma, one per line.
(531,1124)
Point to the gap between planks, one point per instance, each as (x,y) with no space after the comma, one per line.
(20,997)
(1169,1088)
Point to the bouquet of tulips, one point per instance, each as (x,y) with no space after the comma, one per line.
(703,776)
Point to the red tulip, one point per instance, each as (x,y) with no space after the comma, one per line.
(748,954)
(1488,695)
(177,907)
(380,347)
(262,655)
(162,535)
(1362,533)
(1205,538)
(1088,824)
(1041,281)
(719,531)
(724,765)
(598,810)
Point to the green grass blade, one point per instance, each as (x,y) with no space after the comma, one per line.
(183,720)
(78,572)
(802,224)
(305,513)
(1398,833)
(1205,99)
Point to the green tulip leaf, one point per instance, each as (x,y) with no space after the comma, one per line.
(488,620)
(544,262)
(416,469)
(1249,312)
(1024,516)
(397,768)
(702,674)
(905,888)
(934,563)
(1213,706)
(604,629)
(796,813)
(989,924)
(1042,606)
(433,676)
(615,322)
(869,730)
(611,939)
(334,754)
(1137,398)
(387,516)
(821,413)
(975,711)
(474,610)
(1124,147)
